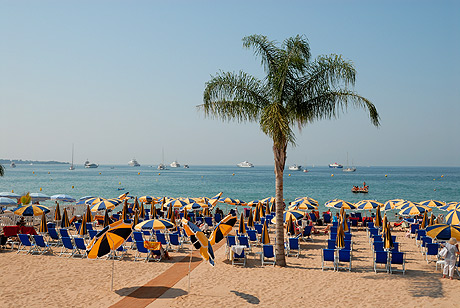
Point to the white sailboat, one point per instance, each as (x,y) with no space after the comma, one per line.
(162,165)
(348,168)
(71,165)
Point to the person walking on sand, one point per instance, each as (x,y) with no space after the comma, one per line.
(451,258)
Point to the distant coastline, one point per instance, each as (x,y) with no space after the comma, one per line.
(34,162)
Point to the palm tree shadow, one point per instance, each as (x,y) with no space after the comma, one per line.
(151,292)
(251,299)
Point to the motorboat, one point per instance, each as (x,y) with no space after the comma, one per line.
(161,167)
(90,165)
(295,167)
(174,164)
(305,170)
(186,166)
(245,164)
(13,165)
(133,163)
(335,165)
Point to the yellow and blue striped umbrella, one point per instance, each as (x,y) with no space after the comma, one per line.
(213,201)
(230,201)
(176,203)
(43,225)
(341,203)
(307,200)
(367,204)
(340,240)
(432,203)
(199,241)
(414,210)
(424,220)
(302,207)
(294,214)
(108,239)
(253,203)
(148,199)
(453,217)
(31,210)
(443,231)
(101,206)
(194,206)
(264,237)
(224,227)
(268,200)
(448,207)
(155,224)
(391,204)
(406,204)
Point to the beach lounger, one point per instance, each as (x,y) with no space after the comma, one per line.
(327,218)
(258,228)
(413,230)
(333,236)
(243,240)
(335,224)
(64,233)
(431,249)
(231,241)
(306,233)
(92,233)
(395,246)
(140,249)
(377,246)
(398,258)
(268,255)
(80,247)
(252,235)
(138,236)
(381,257)
(333,229)
(175,240)
(77,226)
(348,245)
(42,246)
(344,257)
(312,216)
(293,247)
(239,259)
(328,255)
(199,220)
(348,236)
(161,237)
(54,236)
(25,244)
(331,244)
(425,240)
(208,221)
(116,217)
(268,219)
(418,237)
(67,247)
(89,226)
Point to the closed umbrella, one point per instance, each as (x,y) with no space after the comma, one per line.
(343,220)
(340,240)
(153,211)
(388,240)
(257,213)
(432,219)
(264,237)
(241,227)
(136,218)
(424,221)
(107,220)
(57,213)
(65,219)
(89,217)
(378,218)
(83,230)
(142,211)
(250,220)
(290,229)
(124,212)
(43,225)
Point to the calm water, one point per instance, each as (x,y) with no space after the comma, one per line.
(411,183)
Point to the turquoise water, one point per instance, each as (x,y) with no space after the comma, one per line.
(411,183)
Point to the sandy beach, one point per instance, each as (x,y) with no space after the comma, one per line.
(52,281)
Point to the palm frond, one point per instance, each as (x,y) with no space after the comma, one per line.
(264,48)
(275,124)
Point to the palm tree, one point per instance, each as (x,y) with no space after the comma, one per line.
(2,170)
(296,91)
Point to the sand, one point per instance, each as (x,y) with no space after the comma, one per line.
(52,281)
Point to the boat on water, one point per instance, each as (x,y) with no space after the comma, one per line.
(90,165)
(174,164)
(245,164)
(305,170)
(295,167)
(161,167)
(13,165)
(335,165)
(133,163)
(71,165)
(363,190)
(186,166)
(348,168)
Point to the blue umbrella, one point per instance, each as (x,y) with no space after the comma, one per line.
(9,195)
(62,198)
(443,231)
(7,201)
(31,210)
(83,199)
(38,197)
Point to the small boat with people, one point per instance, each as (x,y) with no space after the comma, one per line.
(245,164)
(295,167)
(357,189)
(335,165)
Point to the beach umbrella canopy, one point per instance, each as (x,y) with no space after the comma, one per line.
(453,217)
(82,200)
(89,217)
(155,224)
(223,228)
(424,221)
(107,220)
(65,223)
(295,215)
(448,207)
(414,210)
(432,203)
(9,195)
(176,203)
(213,201)
(340,240)
(391,204)
(405,204)
(124,196)
(194,206)
(264,237)
(443,231)
(83,230)
(36,197)
(367,204)
(378,218)
(241,226)
(62,198)
(4,201)
(229,201)
(302,206)
(250,220)
(31,210)
(188,200)
(268,200)
(387,240)
(108,239)
(43,225)
(148,199)
(57,212)
(306,200)
(101,206)
(199,241)
(341,204)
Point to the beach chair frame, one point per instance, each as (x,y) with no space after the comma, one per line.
(293,247)
(54,237)
(328,255)
(239,259)
(175,240)
(397,258)
(381,257)
(80,248)
(26,245)
(231,240)
(66,246)
(268,256)
(344,256)
(42,246)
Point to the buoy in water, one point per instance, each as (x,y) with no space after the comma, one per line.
(233,174)
(100,173)
(73,186)
(159,173)
(386,175)
(33,172)
(442,175)
(119,183)
(12,191)
(138,173)
(48,172)
(40,189)
(289,174)
(332,174)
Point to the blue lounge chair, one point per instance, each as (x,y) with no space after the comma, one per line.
(54,236)
(175,240)
(258,228)
(80,247)
(239,259)
(348,236)
(333,236)
(252,235)
(425,240)
(348,245)
(64,232)
(231,241)
(268,219)
(327,218)
(413,229)
(398,258)
(161,237)
(432,249)
(333,229)
(42,246)
(377,246)
(370,224)
(328,255)
(26,245)
(199,220)
(395,247)
(418,236)
(77,226)
(138,236)
(89,226)
(243,240)
(268,255)
(331,244)
(208,221)
(67,247)
(293,247)
(335,224)
(306,233)
(92,233)
(147,234)
(312,217)
(381,257)
(344,257)
(140,249)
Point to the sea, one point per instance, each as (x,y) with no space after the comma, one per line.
(320,182)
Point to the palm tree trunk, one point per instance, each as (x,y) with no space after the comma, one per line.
(280,160)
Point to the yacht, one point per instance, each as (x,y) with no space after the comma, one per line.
(245,164)
(13,165)
(335,165)
(295,167)
(174,164)
(348,168)
(90,165)
(186,166)
(133,163)
(161,167)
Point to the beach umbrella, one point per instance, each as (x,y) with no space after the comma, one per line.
(83,230)
(176,203)
(136,218)
(107,220)
(272,207)
(153,211)
(229,201)
(142,211)
(186,215)
(384,223)
(250,220)
(257,213)
(406,204)
(108,239)
(170,214)
(378,218)
(224,227)
(65,223)
(253,203)
(453,217)
(341,203)
(414,210)
(11,195)
(302,206)
(124,212)
(241,227)
(206,212)
(213,201)
(387,239)
(43,225)
(82,200)
(343,220)
(261,210)
(432,203)
(4,201)
(199,241)
(448,207)
(57,213)
(424,221)
(31,210)
(367,204)
(124,196)
(340,240)
(148,199)
(432,219)
(101,206)
(443,231)
(194,206)
(37,197)
(155,224)
(305,200)
(240,202)
(62,198)
(295,214)
(391,204)
(89,217)
(268,200)
(290,229)
(187,200)
(264,237)
(136,205)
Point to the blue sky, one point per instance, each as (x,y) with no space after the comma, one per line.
(121,79)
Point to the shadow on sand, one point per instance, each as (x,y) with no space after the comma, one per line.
(151,292)
(251,299)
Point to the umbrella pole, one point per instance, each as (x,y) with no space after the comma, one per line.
(189,267)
